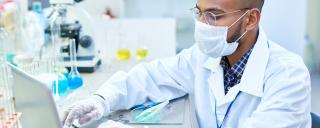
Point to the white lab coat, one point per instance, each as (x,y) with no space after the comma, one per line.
(275,87)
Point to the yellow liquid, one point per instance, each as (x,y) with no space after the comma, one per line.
(123,54)
(7,20)
(141,53)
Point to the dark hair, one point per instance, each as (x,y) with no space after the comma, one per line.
(261,3)
(253,4)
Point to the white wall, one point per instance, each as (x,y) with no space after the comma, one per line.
(97,7)
(177,9)
(158,35)
(285,23)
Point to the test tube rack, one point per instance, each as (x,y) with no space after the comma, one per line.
(12,121)
(9,118)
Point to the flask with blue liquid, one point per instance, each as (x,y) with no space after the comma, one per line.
(60,85)
(74,78)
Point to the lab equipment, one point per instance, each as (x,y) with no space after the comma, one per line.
(123,51)
(45,67)
(60,86)
(175,113)
(74,78)
(12,20)
(123,54)
(141,49)
(55,32)
(47,72)
(34,66)
(158,36)
(150,115)
(8,16)
(34,36)
(6,34)
(144,107)
(74,23)
(141,53)
(37,7)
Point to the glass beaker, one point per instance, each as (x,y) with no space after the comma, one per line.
(123,51)
(141,48)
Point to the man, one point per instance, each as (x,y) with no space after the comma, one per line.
(237,76)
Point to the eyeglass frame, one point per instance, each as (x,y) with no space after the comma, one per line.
(197,11)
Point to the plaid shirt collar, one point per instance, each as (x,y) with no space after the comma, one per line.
(234,73)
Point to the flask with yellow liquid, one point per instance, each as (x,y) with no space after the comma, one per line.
(123,54)
(141,53)
(141,50)
(123,51)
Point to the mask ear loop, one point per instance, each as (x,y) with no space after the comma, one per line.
(241,36)
(238,19)
(236,22)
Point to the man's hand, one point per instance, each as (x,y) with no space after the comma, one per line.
(85,111)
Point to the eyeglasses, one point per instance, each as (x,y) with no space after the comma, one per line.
(210,17)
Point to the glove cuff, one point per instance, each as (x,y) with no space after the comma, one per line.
(103,102)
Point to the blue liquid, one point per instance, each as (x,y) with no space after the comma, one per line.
(62,85)
(75,81)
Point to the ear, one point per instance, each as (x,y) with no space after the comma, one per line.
(252,21)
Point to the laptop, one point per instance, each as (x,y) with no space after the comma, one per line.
(35,100)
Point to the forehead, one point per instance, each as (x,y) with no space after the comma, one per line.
(225,5)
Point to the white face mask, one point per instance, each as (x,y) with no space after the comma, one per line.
(212,40)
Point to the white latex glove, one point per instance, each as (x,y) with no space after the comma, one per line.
(85,111)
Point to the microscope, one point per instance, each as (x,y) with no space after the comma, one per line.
(71,27)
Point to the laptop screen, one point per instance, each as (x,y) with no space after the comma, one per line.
(35,101)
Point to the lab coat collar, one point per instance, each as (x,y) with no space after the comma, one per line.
(212,64)
(253,75)
(252,81)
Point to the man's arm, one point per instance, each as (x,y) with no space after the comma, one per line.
(157,81)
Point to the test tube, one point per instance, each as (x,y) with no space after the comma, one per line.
(8,115)
(9,89)
(2,98)
(5,92)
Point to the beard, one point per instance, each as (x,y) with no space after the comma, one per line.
(236,35)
